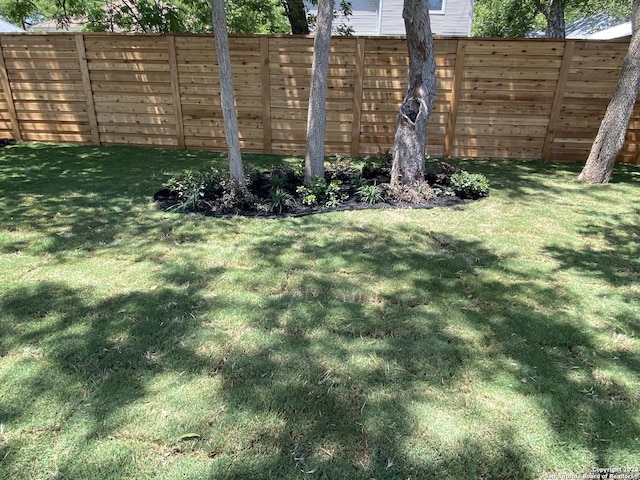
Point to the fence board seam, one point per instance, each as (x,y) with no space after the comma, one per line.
(461,49)
(175,90)
(558,97)
(265,71)
(88,89)
(6,87)
(358,88)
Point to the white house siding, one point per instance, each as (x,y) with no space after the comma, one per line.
(456,19)
(364,20)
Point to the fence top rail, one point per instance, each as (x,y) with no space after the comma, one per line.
(622,40)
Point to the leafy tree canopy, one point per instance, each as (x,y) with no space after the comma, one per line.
(160,16)
(517,18)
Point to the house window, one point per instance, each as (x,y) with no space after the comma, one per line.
(436,6)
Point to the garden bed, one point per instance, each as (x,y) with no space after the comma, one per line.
(283,191)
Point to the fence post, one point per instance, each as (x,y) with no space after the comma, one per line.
(6,87)
(266,94)
(356,121)
(88,90)
(558,97)
(455,97)
(175,89)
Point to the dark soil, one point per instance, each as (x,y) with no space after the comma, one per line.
(166,201)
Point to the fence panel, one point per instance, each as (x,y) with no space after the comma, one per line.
(594,71)
(45,80)
(506,98)
(523,99)
(131,85)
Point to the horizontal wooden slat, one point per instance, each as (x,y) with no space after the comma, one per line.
(504,100)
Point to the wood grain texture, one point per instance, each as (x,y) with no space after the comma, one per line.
(539,99)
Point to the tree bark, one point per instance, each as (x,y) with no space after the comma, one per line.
(316,116)
(553,12)
(555,20)
(410,139)
(297,15)
(229,114)
(613,129)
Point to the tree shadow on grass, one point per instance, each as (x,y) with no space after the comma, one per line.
(610,250)
(336,378)
(534,179)
(387,352)
(80,198)
(413,362)
(522,330)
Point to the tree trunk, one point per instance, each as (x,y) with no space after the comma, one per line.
(297,15)
(229,114)
(410,138)
(555,19)
(553,12)
(613,129)
(316,117)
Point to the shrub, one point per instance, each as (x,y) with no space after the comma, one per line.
(280,200)
(235,196)
(277,181)
(442,177)
(378,166)
(195,190)
(284,178)
(418,193)
(190,187)
(342,169)
(357,182)
(469,185)
(370,193)
(318,192)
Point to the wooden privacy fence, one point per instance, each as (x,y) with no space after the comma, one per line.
(528,99)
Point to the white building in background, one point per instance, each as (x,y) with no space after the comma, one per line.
(617,31)
(598,27)
(8,27)
(384,17)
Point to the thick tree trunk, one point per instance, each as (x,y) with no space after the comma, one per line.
(553,12)
(226,90)
(410,138)
(297,16)
(555,20)
(316,117)
(613,129)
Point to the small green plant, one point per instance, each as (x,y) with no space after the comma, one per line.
(277,182)
(282,177)
(357,182)
(469,185)
(318,192)
(343,169)
(312,192)
(280,200)
(443,192)
(333,194)
(370,193)
(236,196)
(190,187)
(379,165)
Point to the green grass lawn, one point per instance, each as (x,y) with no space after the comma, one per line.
(496,340)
